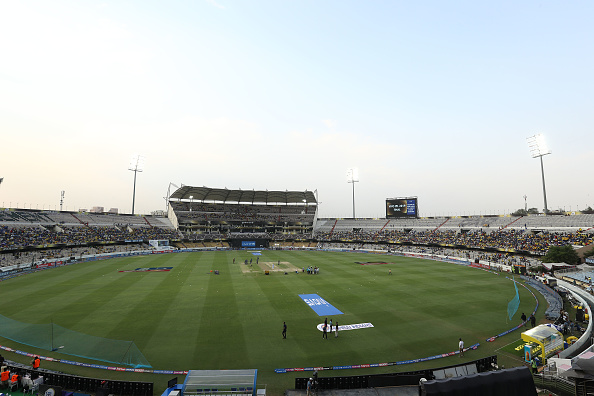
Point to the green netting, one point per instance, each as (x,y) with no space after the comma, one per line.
(53,337)
(514,304)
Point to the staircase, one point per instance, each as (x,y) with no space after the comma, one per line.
(448,219)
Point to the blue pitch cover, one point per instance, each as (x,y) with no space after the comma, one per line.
(319,305)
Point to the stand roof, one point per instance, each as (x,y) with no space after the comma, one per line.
(205,194)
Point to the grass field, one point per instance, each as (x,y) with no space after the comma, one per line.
(190,318)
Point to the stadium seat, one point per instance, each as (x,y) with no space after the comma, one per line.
(14,386)
(32,389)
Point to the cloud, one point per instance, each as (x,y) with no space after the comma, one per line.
(330,123)
(214,3)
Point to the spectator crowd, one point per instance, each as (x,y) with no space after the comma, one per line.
(20,237)
(519,240)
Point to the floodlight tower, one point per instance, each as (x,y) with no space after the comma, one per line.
(353,177)
(61,199)
(538,148)
(136,164)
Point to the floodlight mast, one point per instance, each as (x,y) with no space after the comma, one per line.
(353,177)
(135,166)
(538,148)
(62,199)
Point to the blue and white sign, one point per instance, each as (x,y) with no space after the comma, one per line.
(319,305)
(411,207)
(248,243)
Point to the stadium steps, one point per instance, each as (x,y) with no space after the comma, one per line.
(79,220)
(507,225)
(385,225)
(332,230)
(439,226)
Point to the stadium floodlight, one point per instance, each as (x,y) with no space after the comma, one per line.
(353,177)
(538,148)
(61,199)
(136,165)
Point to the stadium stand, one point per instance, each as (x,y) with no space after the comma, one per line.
(238,214)
(573,223)
(218,218)
(30,235)
(555,303)
(512,240)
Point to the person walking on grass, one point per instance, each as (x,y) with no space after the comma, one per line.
(336,331)
(461,347)
(284,330)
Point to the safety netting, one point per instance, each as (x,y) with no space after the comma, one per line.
(514,304)
(53,337)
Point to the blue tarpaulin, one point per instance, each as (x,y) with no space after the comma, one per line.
(319,305)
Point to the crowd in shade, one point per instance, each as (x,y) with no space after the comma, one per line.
(243,217)
(261,213)
(521,240)
(26,257)
(504,258)
(246,235)
(20,237)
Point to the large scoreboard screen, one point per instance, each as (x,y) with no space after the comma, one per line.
(402,207)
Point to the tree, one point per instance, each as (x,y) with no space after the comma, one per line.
(589,253)
(533,211)
(561,254)
(520,212)
(588,210)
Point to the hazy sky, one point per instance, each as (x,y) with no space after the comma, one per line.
(426,98)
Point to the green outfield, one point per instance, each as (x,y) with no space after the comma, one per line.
(190,318)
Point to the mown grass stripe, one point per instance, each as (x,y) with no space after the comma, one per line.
(189,318)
